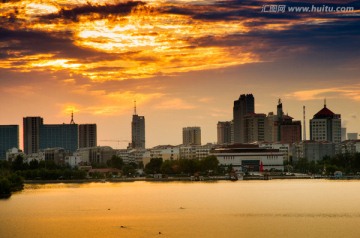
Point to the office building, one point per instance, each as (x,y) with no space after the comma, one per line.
(87,135)
(352,136)
(281,128)
(38,135)
(312,150)
(59,136)
(244,105)
(326,126)
(31,134)
(9,138)
(224,131)
(192,135)
(137,131)
(254,127)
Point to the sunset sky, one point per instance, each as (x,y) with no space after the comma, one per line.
(184,62)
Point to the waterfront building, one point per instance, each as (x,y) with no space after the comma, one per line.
(165,152)
(196,151)
(191,135)
(350,147)
(244,105)
(224,132)
(31,134)
(137,131)
(12,153)
(9,138)
(249,157)
(87,135)
(312,150)
(282,147)
(98,155)
(326,126)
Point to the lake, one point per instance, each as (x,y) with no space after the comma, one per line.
(275,208)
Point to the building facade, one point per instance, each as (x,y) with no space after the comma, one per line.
(224,131)
(352,136)
(87,135)
(9,138)
(254,127)
(192,135)
(326,126)
(312,150)
(244,105)
(138,132)
(59,135)
(250,157)
(31,134)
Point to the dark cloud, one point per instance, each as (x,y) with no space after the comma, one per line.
(122,8)
(29,42)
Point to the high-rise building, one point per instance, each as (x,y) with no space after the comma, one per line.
(9,138)
(326,126)
(87,135)
(271,128)
(192,135)
(343,133)
(244,105)
(281,128)
(137,131)
(224,132)
(254,127)
(38,135)
(59,136)
(31,134)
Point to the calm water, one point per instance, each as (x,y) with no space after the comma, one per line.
(293,208)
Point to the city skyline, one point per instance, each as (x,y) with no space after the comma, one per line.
(183,62)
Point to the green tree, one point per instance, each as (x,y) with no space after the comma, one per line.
(210,163)
(5,187)
(154,166)
(18,163)
(115,162)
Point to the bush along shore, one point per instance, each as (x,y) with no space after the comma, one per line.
(10,182)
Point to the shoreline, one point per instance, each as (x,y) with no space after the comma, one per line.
(180,179)
(190,179)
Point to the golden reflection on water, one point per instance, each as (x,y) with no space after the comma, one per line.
(288,208)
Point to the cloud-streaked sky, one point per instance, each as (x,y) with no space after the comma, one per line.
(184,62)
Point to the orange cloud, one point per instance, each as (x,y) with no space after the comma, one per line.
(347,92)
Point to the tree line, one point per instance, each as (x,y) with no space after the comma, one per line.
(347,163)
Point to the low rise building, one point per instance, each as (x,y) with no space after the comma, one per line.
(284,148)
(312,150)
(196,151)
(96,155)
(250,157)
(165,152)
(350,146)
(11,154)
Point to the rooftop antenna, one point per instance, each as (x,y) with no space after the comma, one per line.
(72,118)
(304,129)
(135,107)
(325,102)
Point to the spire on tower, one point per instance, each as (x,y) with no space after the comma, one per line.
(72,118)
(135,107)
(325,102)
